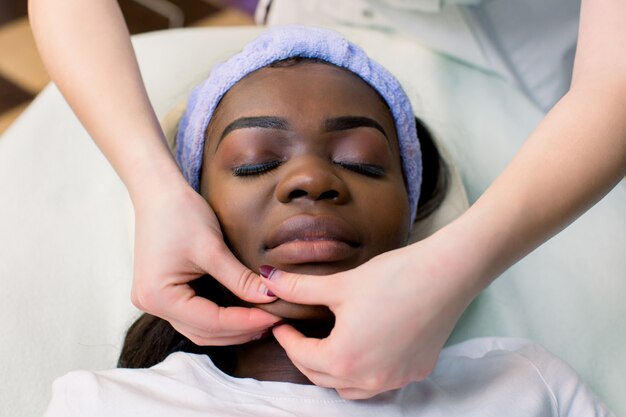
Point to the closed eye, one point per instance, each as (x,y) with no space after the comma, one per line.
(255,169)
(369,170)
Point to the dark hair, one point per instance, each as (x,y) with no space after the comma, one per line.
(435,174)
(150,339)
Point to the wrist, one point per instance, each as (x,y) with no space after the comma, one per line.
(472,251)
(153,173)
(448,269)
(492,235)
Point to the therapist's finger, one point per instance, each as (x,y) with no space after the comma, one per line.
(202,337)
(200,340)
(313,358)
(303,289)
(319,378)
(199,312)
(212,320)
(241,281)
(309,352)
(345,389)
(356,393)
(322,379)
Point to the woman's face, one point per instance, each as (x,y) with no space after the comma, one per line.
(302,168)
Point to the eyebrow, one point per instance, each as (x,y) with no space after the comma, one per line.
(264,122)
(352,122)
(331,125)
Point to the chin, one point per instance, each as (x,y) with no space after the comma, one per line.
(285,309)
(322,268)
(293,311)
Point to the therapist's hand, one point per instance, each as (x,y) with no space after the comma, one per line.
(178,239)
(393,315)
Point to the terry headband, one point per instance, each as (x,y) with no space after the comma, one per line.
(283,42)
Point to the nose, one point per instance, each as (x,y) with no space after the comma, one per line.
(311,178)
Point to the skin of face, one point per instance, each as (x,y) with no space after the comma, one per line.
(302,168)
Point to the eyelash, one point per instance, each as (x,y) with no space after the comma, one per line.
(255,169)
(369,170)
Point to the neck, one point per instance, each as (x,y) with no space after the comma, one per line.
(265,359)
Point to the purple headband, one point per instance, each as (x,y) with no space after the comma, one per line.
(282,42)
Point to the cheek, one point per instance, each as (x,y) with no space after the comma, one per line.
(239,208)
(387,216)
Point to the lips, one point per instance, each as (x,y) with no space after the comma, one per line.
(312,239)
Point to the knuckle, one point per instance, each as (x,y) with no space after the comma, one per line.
(346,394)
(135,299)
(214,327)
(144,297)
(376,382)
(193,338)
(196,340)
(356,394)
(246,282)
(211,330)
(291,285)
(317,381)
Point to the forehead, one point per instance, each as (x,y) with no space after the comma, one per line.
(305,89)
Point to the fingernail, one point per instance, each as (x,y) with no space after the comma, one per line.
(267,271)
(278,323)
(266,291)
(262,335)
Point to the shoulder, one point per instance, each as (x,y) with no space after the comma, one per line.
(93,393)
(513,354)
(482,347)
(529,366)
(75,394)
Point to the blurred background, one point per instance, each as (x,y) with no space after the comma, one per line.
(22,75)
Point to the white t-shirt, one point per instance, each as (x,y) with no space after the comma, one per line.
(481,377)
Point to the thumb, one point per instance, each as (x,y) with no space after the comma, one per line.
(241,281)
(303,289)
